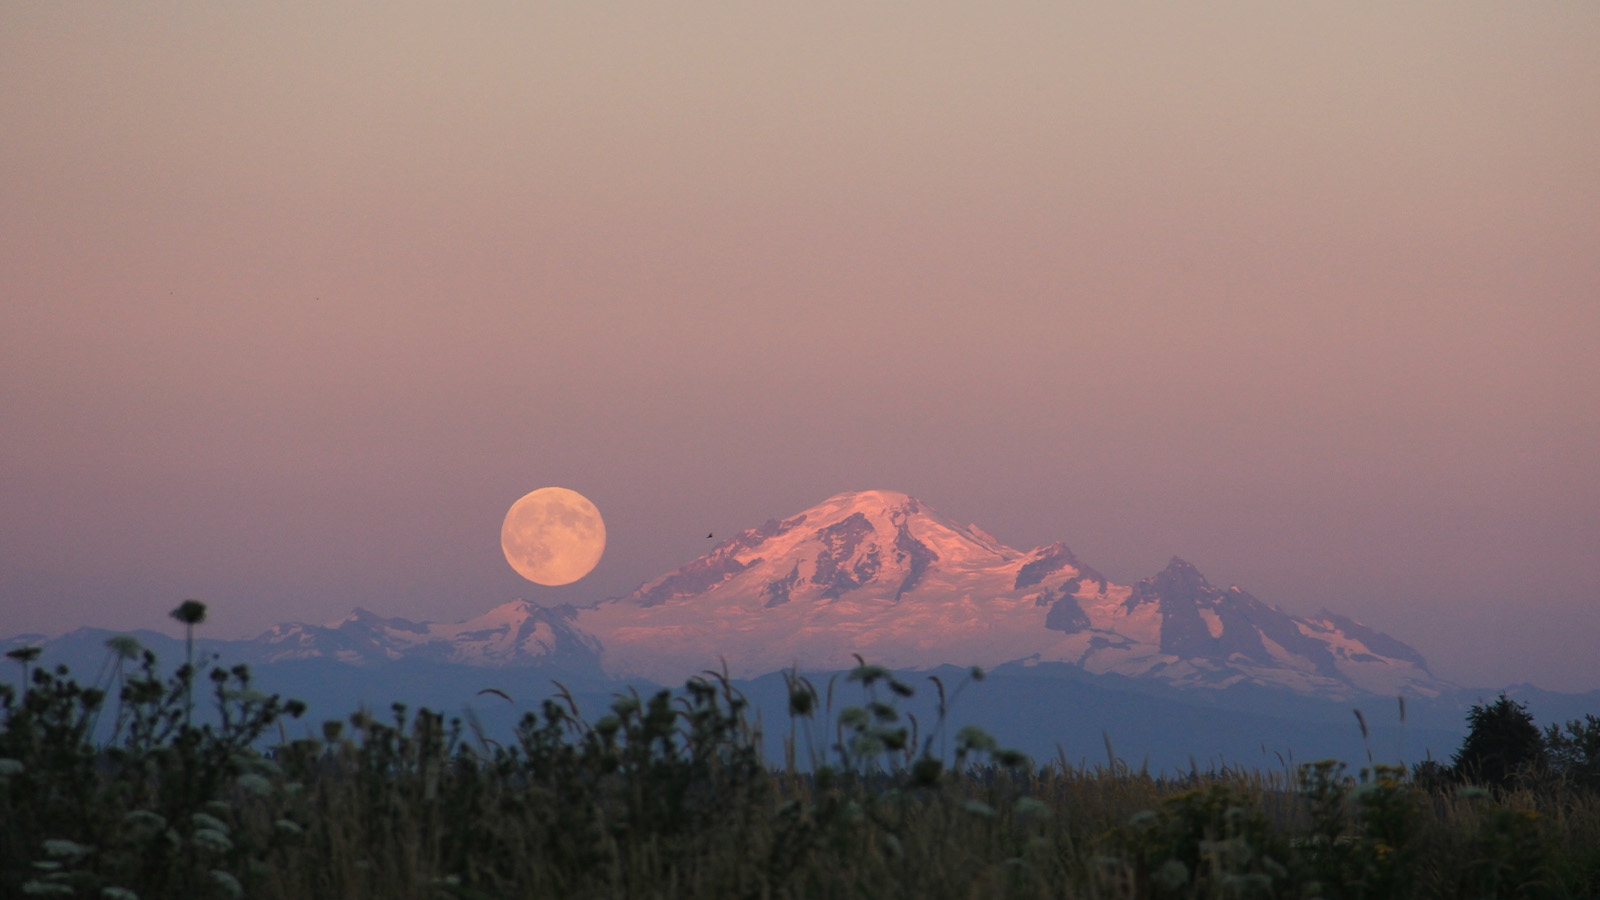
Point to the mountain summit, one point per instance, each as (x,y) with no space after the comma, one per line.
(880,574)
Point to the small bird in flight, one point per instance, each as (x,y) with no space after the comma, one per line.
(708,535)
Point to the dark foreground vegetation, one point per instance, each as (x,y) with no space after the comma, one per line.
(669,796)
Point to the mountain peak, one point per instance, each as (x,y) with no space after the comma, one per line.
(1181,576)
(875,506)
(882,574)
(874,544)
(1042,561)
(876,497)
(514,611)
(362,618)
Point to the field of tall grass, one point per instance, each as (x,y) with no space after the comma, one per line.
(199,791)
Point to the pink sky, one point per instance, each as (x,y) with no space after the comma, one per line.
(296,300)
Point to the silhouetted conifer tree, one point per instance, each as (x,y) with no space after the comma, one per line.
(1502,742)
(1575,752)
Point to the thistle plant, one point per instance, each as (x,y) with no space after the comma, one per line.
(24,656)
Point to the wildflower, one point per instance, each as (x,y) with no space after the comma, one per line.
(926,771)
(210,823)
(24,655)
(1011,759)
(801,702)
(64,849)
(118,893)
(190,612)
(1172,875)
(209,839)
(9,767)
(229,884)
(1032,808)
(124,647)
(853,717)
(258,764)
(975,738)
(247,695)
(867,674)
(979,808)
(255,784)
(144,818)
(1252,881)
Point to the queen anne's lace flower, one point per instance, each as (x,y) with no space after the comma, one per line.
(65,849)
(255,784)
(209,839)
(229,884)
(208,822)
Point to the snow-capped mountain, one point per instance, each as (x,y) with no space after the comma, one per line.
(512,634)
(878,573)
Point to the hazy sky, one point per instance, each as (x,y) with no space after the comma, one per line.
(297,299)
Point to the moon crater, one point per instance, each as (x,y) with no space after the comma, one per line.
(553,536)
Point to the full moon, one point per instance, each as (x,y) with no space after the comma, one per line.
(553,536)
